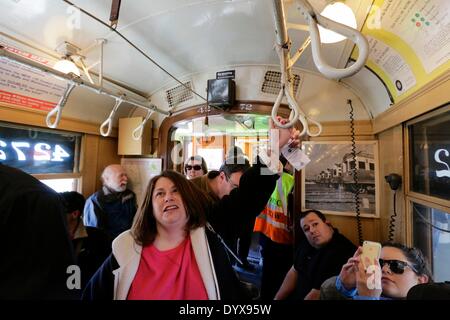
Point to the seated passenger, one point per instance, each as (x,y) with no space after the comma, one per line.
(91,245)
(401,269)
(235,151)
(195,166)
(319,256)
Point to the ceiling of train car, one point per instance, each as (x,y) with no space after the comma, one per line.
(185,37)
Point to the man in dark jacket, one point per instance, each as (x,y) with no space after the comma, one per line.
(35,248)
(218,184)
(91,245)
(320,256)
(112,208)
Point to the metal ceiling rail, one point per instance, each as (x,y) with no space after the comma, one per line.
(77,81)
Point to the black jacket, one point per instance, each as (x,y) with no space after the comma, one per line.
(34,243)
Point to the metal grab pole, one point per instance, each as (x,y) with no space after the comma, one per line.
(283,42)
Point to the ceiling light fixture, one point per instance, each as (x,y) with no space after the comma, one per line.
(338,12)
(66,65)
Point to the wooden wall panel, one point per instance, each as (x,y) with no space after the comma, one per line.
(348,227)
(98,152)
(391,160)
(107,154)
(89,164)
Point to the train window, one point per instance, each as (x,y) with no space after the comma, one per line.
(431,234)
(430,154)
(362,165)
(213,141)
(62,185)
(212,156)
(352,164)
(428,188)
(39,151)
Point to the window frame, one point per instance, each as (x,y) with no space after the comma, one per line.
(411,196)
(76,173)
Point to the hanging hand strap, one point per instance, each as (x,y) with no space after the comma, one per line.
(137,133)
(58,108)
(108,122)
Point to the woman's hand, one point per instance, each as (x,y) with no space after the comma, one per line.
(369,280)
(348,271)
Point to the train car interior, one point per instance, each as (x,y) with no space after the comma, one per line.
(148,84)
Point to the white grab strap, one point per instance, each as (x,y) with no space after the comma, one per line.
(137,133)
(58,108)
(108,121)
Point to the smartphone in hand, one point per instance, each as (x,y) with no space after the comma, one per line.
(295,156)
(370,250)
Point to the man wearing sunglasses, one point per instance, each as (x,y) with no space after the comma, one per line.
(220,183)
(195,166)
(398,270)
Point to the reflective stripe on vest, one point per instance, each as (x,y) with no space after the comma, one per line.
(273,222)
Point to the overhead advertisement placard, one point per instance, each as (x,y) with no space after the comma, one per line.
(410,42)
(23,86)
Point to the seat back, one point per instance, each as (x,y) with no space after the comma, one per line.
(430,291)
(328,290)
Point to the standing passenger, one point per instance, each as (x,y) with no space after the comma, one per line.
(91,245)
(112,208)
(218,184)
(277,238)
(35,250)
(195,166)
(170,252)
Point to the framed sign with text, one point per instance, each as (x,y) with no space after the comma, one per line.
(38,151)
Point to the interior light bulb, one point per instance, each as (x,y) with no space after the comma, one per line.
(338,12)
(66,66)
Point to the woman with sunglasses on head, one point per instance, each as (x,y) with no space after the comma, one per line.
(398,270)
(195,166)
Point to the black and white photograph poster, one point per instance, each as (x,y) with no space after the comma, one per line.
(328,181)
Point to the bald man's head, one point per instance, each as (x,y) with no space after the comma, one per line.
(115,178)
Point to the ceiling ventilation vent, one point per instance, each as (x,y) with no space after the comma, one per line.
(272,82)
(179,94)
